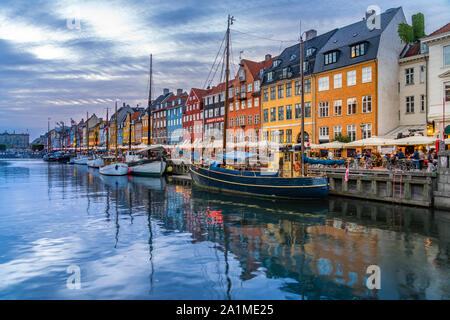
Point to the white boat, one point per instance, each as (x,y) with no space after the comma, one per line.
(151,166)
(97,162)
(131,156)
(81,160)
(112,168)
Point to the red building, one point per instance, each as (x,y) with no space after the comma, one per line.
(193,114)
(244,103)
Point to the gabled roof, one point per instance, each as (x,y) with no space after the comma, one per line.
(199,92)
(354,33)
(441,30)
(410,50)
(219,88)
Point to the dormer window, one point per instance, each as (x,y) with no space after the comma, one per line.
(293,57)
(310,51)
(358,50)
(270,76)
(276,63)
(330,57)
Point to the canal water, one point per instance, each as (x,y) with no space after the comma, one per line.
(67,232)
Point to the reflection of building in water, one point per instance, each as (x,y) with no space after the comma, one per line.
(342,252)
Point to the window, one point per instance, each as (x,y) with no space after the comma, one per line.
(272,93)
(409,74)
(266,95)
(285,72)
(298,88)
(367,104)
(447,91)
(249,120)
(308,85)
(307,109)
(446,54)
(249,87)
(288,89)
(280,113)
(237,106)
(231,107)
(256,101)
(280,92)
(323,84)
(273,115)
(410,104)
(337,131)
(310,51)
(323,109)
(256,118)
(366,74)
(243,105)
(231,122)
(250,104)
(358,50)
(351,78)
(367,131)
(289,112)
(288,135)
(422,74)
(337,80)
(351,132)
(276,63)
(337,107)
(270,76)
(324,133)
(266,115)
(298,111)
(330,57)
(256,84)
(236,90)
(351,105)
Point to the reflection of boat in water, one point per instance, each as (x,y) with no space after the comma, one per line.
(150,183)
(120,182)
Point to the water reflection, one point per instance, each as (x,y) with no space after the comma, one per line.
(139,237)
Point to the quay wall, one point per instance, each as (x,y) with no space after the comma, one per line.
(442,192)
(416,187)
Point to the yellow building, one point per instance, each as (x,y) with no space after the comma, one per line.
(281,92)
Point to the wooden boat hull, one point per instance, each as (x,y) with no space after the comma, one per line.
(264,186)
(115,169)
(150,169)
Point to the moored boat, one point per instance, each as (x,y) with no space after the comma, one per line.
(114,169)
(96,162)
(153,165)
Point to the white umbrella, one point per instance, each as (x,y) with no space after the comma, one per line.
(372,141)
(414,141)
(329,145)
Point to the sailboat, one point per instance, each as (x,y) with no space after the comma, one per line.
(153,164)
(289,181)
(111,166)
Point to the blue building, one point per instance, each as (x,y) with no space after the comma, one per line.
(175,111)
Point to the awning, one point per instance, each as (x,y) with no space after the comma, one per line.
(407,130)
(329,145)
(415,141)
(372,141)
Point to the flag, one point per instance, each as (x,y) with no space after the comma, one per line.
(347,173)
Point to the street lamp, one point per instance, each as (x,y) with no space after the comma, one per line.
(363,125)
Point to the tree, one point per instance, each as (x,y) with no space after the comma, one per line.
(411,34)
(341,138)
(2,147)
(37,146)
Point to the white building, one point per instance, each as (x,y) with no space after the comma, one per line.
(412,88)
(439,77)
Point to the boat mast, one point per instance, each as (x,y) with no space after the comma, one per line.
(115,136)
(87,131)
(227,73)
(129,132)
(302,128)
(149,130)
(107,130)
(48,136)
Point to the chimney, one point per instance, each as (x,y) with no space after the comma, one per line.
(311,34)
(268,57)
(369,13)
(124,104)
(166,91)
(179,91)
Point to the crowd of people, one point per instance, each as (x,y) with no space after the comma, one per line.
(419,159)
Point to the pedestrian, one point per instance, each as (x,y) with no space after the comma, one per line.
(330,155)
(416,159)
(401,155)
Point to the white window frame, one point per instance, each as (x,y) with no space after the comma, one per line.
(366,74)
(337,103)
(324,83)
(337,81)
(351,78)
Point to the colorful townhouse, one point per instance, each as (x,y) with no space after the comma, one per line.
(130,126)
(281,91)
(144,122)
(193,114)
(159,117)
(356,80)
(244,101)
(122,114)
(91,123)
(438,43)
(175,112)
(214,109)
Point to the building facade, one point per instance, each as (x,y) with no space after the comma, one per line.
(438,43)
(159,117)
(193,114)
(175,111)
(15,140)
(214,110)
